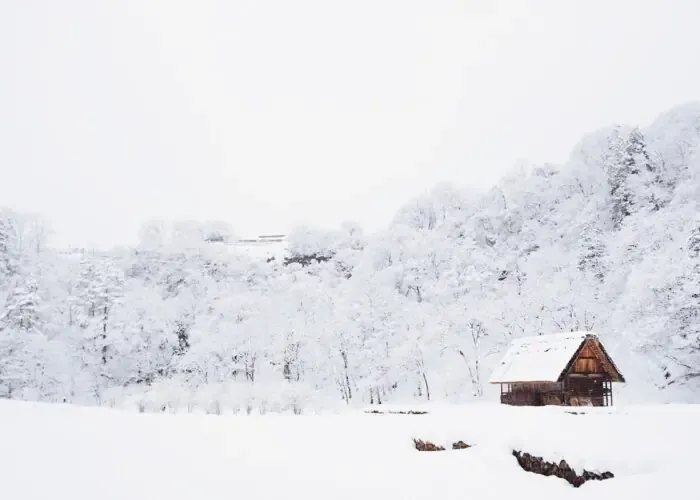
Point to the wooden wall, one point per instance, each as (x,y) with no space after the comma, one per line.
(587,361)
(532,393)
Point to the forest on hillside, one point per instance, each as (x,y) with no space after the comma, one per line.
(422,310)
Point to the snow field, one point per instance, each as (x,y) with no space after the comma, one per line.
(77,453)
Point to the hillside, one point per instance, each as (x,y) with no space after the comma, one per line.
(609,241)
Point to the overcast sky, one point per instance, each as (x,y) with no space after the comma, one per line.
(271,113)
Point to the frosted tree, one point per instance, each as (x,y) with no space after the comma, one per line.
(683,309)
(17,363)
(694,243)
(592,251)
(608,241)
(418,349)
(685,319)
(99,289)
(27,365)
(631,176)
(22,307)
(469,334)
(9,251)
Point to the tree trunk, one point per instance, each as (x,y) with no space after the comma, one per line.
(427,387)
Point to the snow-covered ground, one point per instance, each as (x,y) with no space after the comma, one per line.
(70,452)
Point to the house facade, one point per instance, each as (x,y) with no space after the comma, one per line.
(571,369)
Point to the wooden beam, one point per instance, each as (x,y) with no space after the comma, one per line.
(605,393)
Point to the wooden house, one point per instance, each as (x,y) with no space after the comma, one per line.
(571,369)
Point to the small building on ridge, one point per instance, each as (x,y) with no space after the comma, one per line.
(570,369)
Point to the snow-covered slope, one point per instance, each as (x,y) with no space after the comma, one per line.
(62,451)
(423,309)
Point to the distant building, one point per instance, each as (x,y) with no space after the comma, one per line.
(271,246)
(570,369)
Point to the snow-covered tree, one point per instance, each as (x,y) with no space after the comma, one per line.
(422,309)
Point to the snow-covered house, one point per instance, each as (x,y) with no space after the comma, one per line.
(570,368)
(265,247)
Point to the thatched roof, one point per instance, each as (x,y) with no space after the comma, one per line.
(546,358)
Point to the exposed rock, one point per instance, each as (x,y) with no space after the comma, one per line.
(426,445)
(563,470)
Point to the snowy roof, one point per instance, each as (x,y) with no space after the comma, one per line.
(541,358)
(262,247)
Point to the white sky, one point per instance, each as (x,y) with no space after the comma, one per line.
(270,113)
